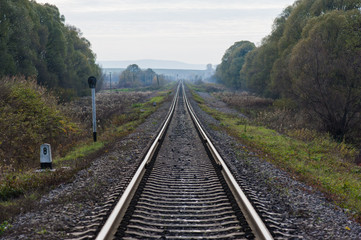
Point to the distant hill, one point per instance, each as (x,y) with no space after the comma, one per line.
(154,64)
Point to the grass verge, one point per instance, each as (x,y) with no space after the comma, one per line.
(309,156)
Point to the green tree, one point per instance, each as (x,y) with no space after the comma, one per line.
(299,16)
(326,66)
(257,67)
(312,55)
(148,77)
(130,77)
(228,72)
(35,42)
(133,76)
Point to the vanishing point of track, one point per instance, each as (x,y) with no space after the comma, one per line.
(183,189)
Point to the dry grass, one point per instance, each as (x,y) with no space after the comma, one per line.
(280,115)
(244,100)
(108,104)
(283,120)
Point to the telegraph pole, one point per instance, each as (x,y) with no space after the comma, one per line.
(110,87)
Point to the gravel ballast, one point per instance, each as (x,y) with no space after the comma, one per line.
(62,209)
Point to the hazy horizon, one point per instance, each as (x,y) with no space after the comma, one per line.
(194,32)
(152,63)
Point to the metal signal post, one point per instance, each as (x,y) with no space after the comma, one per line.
(92,83)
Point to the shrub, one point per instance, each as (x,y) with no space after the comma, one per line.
(29,118)
(285,103)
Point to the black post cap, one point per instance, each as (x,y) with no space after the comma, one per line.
(92,81)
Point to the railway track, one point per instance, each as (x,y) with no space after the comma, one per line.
(183,189)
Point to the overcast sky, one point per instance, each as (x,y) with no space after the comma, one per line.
(191,31)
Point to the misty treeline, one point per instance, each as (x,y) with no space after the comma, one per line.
(35,42)
(312,58)
(133,77)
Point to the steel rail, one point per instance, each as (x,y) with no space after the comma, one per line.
(259,228)
(114,219)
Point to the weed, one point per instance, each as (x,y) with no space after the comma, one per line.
(4,226)
(80,151)
(136,105)
(42,231)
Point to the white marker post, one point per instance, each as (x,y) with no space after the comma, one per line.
(45,156)
(92,83)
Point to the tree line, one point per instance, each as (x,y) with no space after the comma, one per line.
(133,77)
(35,42)
(311,57)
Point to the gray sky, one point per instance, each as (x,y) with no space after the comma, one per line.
(192,31)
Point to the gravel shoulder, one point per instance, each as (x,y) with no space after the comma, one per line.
(302,207)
